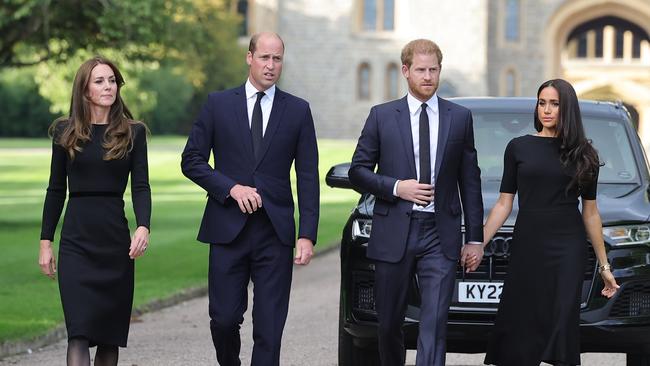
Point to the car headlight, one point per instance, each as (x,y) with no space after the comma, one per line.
(627,235)
(361,228)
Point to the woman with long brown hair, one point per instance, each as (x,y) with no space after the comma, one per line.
(551,171)
(94,150)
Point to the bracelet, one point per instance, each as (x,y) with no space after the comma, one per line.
(604,267)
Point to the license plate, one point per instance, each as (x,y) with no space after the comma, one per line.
(483,292)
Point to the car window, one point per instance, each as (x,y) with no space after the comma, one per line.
(613,144)
(493,131)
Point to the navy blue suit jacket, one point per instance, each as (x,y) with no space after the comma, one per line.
(223,129)
(386,143)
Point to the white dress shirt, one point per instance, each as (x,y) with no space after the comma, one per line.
(266,103)
(415,108)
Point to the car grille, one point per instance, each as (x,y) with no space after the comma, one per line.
(364,292)
(634,301)
(495,261)
(493,267)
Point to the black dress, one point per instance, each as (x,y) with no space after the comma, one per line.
(94,269)
(538,317)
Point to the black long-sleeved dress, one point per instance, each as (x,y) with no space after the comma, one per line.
(539,312)
(94,269)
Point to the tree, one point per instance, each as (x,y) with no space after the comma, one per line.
(34,31)
(171,52)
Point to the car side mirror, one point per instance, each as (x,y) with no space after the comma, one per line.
(337,177)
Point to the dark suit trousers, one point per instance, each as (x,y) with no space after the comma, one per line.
(255,255)
(435,275)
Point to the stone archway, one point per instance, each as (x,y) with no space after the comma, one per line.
(573,13)
(601,78)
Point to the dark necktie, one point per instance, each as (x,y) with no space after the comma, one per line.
(256,125)
(425,147)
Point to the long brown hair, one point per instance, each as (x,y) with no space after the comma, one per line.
(75,129)
(576,151)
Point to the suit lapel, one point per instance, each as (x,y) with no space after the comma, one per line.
(444,125)
(277,110)
(404,127)
(242,122)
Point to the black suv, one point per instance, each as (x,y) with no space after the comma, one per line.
(620,324)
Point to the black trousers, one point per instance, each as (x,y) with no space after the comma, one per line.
(435,275)
(256,255)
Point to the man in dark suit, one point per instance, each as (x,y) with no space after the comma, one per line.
(255,133)
(423,148)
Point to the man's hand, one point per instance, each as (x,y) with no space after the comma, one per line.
(471,256)
(414,191)
(304,251)
(247,198)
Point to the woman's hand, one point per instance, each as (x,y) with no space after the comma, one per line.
(46,259)
(610,284)
(139,242)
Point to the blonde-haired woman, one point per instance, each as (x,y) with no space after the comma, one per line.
(94,151)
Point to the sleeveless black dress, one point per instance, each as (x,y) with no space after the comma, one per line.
(538,317)
(95,272)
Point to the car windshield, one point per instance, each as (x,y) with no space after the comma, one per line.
(493,131)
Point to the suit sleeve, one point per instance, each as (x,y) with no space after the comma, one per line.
(365,159)
(56,191)
(140,189)
(306,166)
(470,186)
(195,157)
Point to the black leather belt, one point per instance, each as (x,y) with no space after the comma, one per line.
(95,194)
(422,215)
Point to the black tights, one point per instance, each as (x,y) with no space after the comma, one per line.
(79,353)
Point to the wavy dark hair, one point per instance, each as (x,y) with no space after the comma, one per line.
(576,151)
(73,130)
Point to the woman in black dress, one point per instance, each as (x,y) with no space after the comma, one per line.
(538,317)
(94,150)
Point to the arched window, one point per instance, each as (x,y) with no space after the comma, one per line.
(512,19)
(389,15)
(242,10)
(377,15)
(369,15)
(363,81)
(509,82)
(392,81)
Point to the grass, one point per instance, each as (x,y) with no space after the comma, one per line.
(29,302)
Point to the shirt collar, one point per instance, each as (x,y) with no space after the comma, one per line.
(415,104)
(251,90)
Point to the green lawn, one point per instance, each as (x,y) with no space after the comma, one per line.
(29,302)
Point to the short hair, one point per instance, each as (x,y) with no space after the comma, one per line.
(252,45)
(421,46)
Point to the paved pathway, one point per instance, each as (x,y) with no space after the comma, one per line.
(179,335)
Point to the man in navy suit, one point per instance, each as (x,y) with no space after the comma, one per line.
(255,133)
(423,148)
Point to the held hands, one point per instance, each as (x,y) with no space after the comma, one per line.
(471,256)
(247,198)
(610,284)
(46,259)
(304,251)
(139,242)
(414,191)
